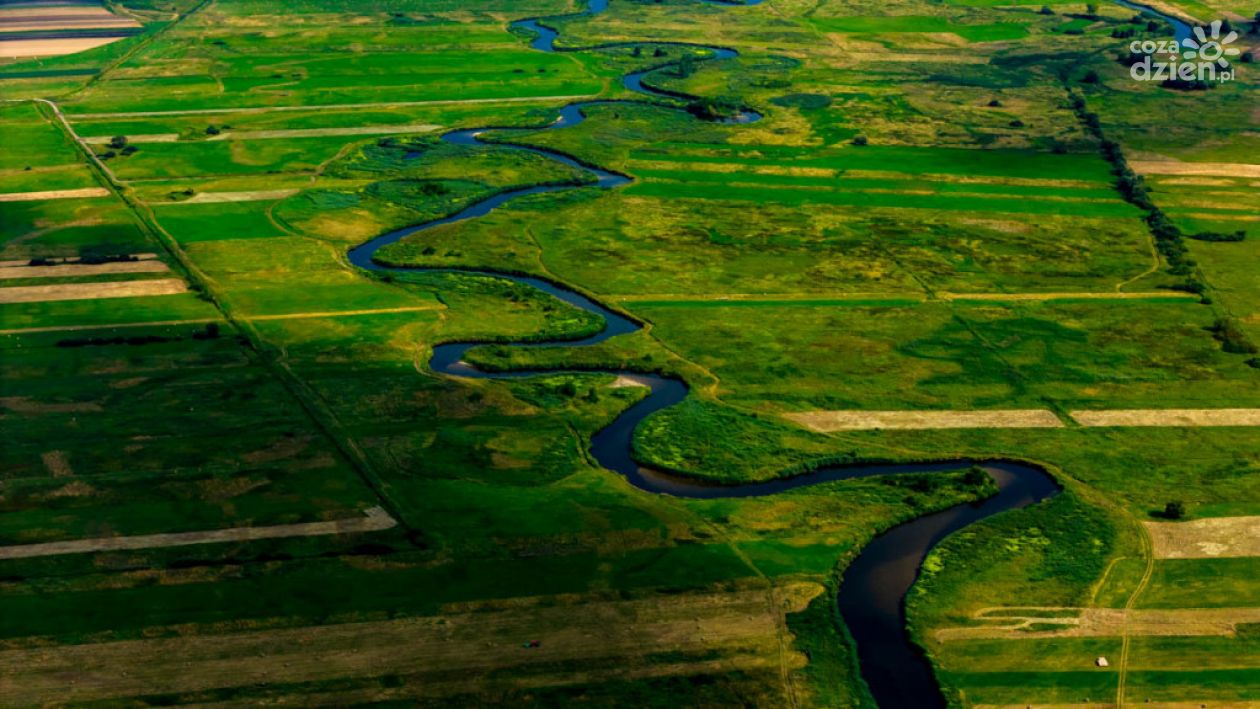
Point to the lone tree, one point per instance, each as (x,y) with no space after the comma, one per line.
(1091,9)
(1174,510)
(118,141)
(686,66)
(860,140)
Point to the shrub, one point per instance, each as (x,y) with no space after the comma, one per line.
(860,140)
(1219,236)
(118,141)
(1174,510)
(1232,338)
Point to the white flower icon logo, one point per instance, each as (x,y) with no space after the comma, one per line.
(1213,49)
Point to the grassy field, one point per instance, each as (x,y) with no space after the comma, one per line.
(924,219)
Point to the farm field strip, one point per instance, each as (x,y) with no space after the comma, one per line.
(1208,169)
(107,326)
(246,196)
(247,318)
(1168,417)
(874,186)
(277,134)
(738,626)
(823,299)
(864,420)
(82,269)
(93,291)
(323,107)
(828,421)
(893,200)
(1026,164)
(85,192)
(373,520)
(1106,622)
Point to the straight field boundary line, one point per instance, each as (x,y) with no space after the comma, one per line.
(202,321)
(900,298)
(321,107)
(829,421)
(373,519)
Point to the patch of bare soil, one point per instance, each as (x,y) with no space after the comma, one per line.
(57,464)
(1206,538)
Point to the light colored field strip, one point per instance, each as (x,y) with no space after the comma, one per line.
(1168,417)
(343,313)
(92,291)
(1193,704)
(274,134)
(1140,295)
(374,519)
(787,297)
(1206,538)
(711,632)
(141,138)
(1211,169)
(827,421)
(82,269)
(324,107)
(28,17)
(1108,622)
(251,196)
(326,132)
(17,48)
(54,194)
(767,297)
(862,420)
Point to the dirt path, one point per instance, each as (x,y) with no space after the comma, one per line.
(374,519)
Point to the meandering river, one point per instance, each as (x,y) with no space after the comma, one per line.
(872,594)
